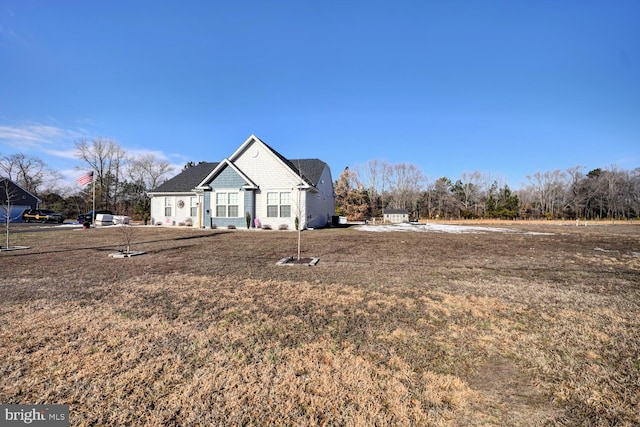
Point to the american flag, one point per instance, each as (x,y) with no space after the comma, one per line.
(85,178)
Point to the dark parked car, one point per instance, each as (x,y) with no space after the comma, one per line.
(88,217)
(42,215)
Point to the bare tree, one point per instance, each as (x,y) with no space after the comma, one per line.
(117,163)
(127,233)
(29,172)
(548,188)
(375,176)
(572,198)
(106,158)
(406,183)
(149,170)
(634,197)
(8,194)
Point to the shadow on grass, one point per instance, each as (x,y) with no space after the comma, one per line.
(110,247)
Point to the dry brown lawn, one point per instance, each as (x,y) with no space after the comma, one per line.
(387,329)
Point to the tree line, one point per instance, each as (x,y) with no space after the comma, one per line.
(121,179)
(367,190)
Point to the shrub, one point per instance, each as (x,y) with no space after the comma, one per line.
(266,227)
(231,227)
(283,227)
(188,222)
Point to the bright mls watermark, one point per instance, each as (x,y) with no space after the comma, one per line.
(37,415)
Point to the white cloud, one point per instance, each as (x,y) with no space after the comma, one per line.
(139,152)
(65,154)
(34,135)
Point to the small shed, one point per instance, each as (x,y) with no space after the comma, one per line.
(396,215)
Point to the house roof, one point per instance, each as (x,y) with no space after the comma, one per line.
(218,168)
(4,184)
(309,169)
(187,180)
(396,211)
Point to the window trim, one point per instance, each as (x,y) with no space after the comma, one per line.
(277,208)
(168,206)
(227,205)
(193,206)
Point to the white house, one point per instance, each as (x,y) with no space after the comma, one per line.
(255,180)
(396,215)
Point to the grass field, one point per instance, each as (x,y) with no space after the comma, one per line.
(394,328)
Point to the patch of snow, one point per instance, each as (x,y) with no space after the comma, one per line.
(443,228)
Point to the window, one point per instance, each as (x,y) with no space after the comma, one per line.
(233,205)
(285,205)
(279,205)
(168,203)
(227,205)
(194,206)
(272,205)
(221,205)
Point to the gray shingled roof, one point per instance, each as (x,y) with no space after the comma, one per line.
(310,169)
(186,180)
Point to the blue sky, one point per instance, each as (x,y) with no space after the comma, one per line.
(508,88)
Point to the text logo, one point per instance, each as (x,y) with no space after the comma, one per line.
(36,415)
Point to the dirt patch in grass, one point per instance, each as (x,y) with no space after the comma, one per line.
(389,329)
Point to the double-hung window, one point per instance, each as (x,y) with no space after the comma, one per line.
(221,205)
(193,205)
(233,205)
(227,205)
(285,205)
(168,203)
(278,205)
(272,205)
